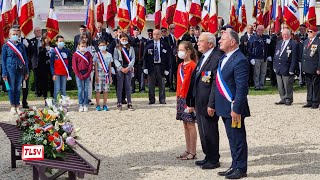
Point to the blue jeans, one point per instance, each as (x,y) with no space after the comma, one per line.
(59,85)
(83,87)
(15,79)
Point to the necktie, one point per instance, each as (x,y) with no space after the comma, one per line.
(199,64)
(309,43)
(221,60)
(282,46)
(156,53)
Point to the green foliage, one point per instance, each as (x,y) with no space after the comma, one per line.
(150,6)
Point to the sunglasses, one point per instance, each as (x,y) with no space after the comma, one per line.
(310,31)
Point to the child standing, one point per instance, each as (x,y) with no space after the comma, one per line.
(103,78)
(82,66)
(60,65)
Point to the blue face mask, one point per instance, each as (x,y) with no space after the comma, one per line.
(14,38)
(61,44)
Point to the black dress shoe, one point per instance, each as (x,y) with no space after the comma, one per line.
(210,165)
(225,173)
(124,101)
(151,103)
(201,162)
(25,106)
(288,103)
(236,174)
(163,102)
(314,107)
(172,90)
(279,103)
(307,105)
(142,91)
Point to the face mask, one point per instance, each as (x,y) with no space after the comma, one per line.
(124,43)
(139,36)
(103,48)
(60,44)
(14,38)
(83,49)
(181,54)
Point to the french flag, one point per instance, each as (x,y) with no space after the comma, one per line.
(26,14)
(163,14)
(311,17)
(100,11)
(171,7)
(157,15)
(6,17)
(213,18)
(233,18)
(276,15)
(195,13)
(111,12)
(242,15)
(14,10)
(134,12)
(141,15)
(1,32)
(205,15)
(180,19)
(124,15)
(52,23)
(291,14)
(90,18)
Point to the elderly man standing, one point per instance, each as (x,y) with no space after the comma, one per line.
(284,63)
(311,67)
(156,60)
(200,88)
(231,101)
(258,51)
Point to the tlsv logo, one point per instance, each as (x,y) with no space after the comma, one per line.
(32,152)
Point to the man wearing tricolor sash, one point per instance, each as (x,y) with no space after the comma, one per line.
(230,101)
(60,65)
(14,68)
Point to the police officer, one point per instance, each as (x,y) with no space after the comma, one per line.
(311,68)
(244,43)
(303,36)
(284,62)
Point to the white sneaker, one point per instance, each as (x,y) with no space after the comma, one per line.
(13,111)
(81,109)
(85,108)
(18,110)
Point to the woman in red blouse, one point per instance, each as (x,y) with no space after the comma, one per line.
(184,113)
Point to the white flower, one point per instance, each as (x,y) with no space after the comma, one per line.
(49,102)
(56,125)
(45,142)
(64,135)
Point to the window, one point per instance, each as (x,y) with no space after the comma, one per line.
(70,2)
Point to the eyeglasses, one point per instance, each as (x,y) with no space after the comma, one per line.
(310,31)
(172,28)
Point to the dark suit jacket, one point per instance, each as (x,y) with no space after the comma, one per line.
(148,56)
(244,43)
(105,36)
(199,89)
(76,42)
(285,62)
(138,46)
(310,64)
(33,52)
(235,73)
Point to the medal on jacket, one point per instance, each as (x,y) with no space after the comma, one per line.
(313,49)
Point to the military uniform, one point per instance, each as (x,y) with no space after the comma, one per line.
(310,65)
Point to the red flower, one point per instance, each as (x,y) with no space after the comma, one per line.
(50,138)
(202,74)
(42,123)
(56,134)
(57,143)
(38,131)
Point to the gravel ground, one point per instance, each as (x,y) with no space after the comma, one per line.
(142,144)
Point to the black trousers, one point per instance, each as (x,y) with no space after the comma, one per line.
(45,81)
(25,92)
(238,144)
(38,89)
(313,89)
(272,74)
(209,136)
(172,78)
(138,76)
(154,76)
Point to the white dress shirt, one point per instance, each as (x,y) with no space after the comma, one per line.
(286,42)
(228,55)
(158,45)
(206,55)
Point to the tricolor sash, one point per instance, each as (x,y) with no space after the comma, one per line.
(61,58)
(15,49)
(82,57)
(126,54)
(222,86)
(181,73)
(103,64)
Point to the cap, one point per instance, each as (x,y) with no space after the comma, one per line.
(16,26)
(313,28)
(197,28)
(83,26)
(135,28)
(150,30)
(303,25)
(163,28)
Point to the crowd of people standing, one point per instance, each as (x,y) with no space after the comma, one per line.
(210,75)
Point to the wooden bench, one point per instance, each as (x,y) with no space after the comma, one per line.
(74,164)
